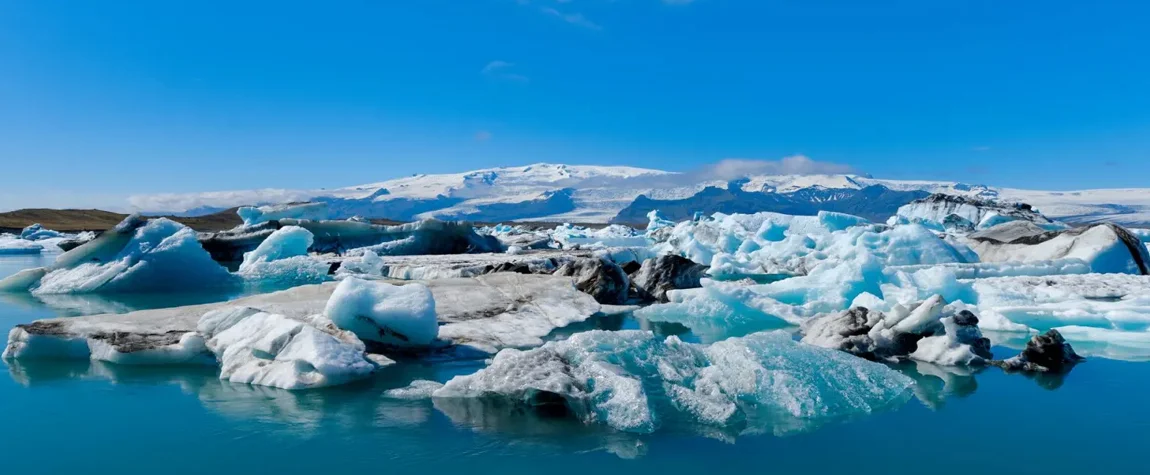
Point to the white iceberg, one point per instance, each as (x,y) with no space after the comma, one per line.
(613,378)
(273,350)
(11,244)
(394,315)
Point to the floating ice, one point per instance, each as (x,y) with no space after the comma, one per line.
(161,255)
(395,315)
(310,211)
(614,378)
(928,331)
(569,237)
(12,244)
(283,258)
(367,264)
(272,350)
(1106,248)
(772,244)
(964,214)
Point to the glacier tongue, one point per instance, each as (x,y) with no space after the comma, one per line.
(612,378)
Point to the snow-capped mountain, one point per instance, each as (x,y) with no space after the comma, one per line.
(579,193)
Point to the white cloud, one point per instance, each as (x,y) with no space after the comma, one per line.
(483,136)
(178,202)
(576,19)
(981,148)
(503,70)
(733,168)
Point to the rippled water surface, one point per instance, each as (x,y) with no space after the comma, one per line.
(80,417)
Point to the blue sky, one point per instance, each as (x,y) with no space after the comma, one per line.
(99,100)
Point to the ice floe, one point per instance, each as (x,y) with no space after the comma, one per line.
(613,378)
(11,244)
(475,317)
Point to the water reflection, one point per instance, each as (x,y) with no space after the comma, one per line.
(1120,345)
(362,407)
(935,384)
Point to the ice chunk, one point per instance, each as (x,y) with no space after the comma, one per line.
(395,315)
(607,377)
(616,235)
(282,258)
(655,222)
(11,244)
(964,214)
(310,211)
(158,256)
(1107,248)
(928,331)
(840,221)
(368,263)
(37,232)
(272,350)
(419,389)
(187,348)
(772,244)
(1113,302)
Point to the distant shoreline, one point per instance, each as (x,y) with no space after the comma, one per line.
(80,220)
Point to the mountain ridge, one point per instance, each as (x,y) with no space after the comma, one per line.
(590,193)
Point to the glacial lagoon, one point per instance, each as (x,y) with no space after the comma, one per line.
(80,416)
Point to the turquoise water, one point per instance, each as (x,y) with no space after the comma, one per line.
(73,417)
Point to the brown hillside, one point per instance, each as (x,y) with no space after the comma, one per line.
(74,220)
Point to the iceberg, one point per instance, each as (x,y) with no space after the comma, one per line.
(356,237)
(393,315)
(258,215)
(476,317)
(616,235)
(157,255)
(764,244)
(632,381)
(930,331)
(273,350)
(11,244)
(963,214)
(283,259)
(1106,248)
(37,232)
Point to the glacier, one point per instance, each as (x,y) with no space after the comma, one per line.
(599,194)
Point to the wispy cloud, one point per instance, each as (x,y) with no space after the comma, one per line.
(503,70)
(678,2)
(981,148)
(483,136)
(733,168)
(576,19)
(721,171)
